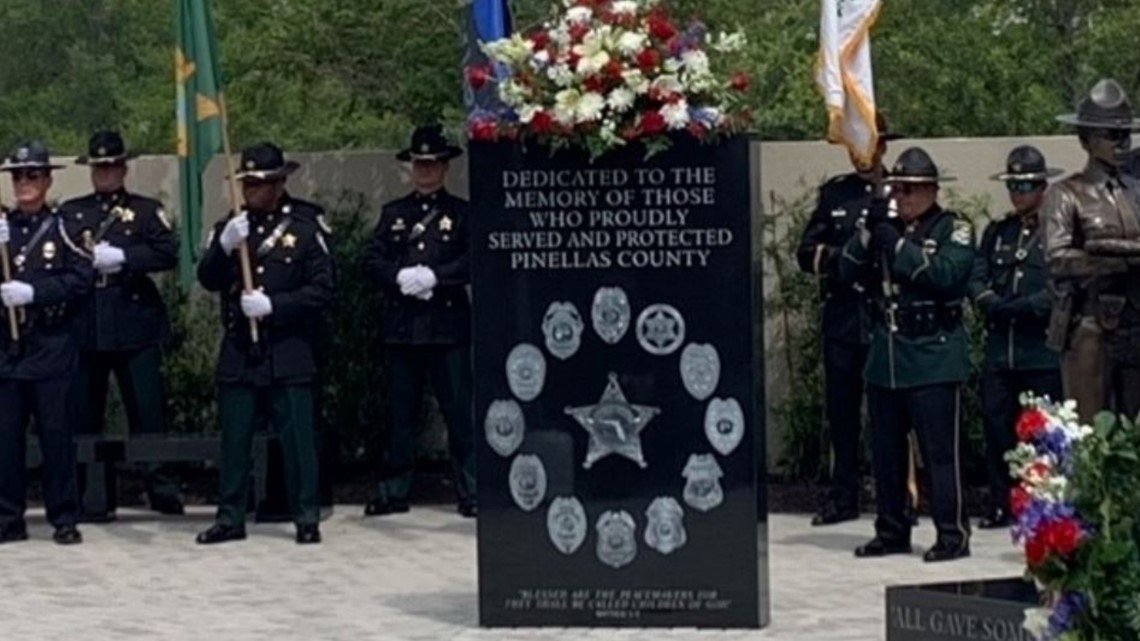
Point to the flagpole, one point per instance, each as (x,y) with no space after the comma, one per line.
(235,200)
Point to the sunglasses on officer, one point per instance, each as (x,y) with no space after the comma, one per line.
(1023,186)
(31,175)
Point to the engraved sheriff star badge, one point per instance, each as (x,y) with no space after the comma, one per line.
(614,425)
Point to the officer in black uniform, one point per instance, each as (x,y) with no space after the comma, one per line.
(921,256)
(843,200)
(293,285)
(124,322)
(38,354)
(419,258)
(1009,285)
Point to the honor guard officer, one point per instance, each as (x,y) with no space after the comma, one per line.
(419,258)
(843,200)
(292,286)
(124,322)
(919,352)
(1091,226)
(1009,285)
(38,354)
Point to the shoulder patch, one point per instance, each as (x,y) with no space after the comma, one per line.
(963,233)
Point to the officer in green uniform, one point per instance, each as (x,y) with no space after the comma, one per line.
(1009,285)
(419,258)
(920,256)
(124,322)
(843,201)
(270,379)
(38,353)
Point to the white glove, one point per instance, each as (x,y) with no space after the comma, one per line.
(256,305)
(424,295)
(5,235)
(426,277)
(234,233)
(17,293)
(108,258)
(405,278)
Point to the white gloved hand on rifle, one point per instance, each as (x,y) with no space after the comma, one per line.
(256,305)
(17,293)
(108,258)
(234,233)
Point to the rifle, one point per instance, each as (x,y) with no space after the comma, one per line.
(6,264)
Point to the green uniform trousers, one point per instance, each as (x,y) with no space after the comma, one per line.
(288,409)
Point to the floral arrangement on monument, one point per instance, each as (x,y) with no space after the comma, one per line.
(603,73)
(1076,508)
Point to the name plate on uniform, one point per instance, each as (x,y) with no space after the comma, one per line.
(618,403)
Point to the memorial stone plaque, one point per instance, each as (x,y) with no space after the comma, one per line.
(617,388)
(987,610)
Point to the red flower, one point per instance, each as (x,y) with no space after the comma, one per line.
(613,70)
(630,133)
(1063,536)
(661,27)
(572,60)
(1030,424)
(1019,501)
(484,130)
(1039,469)
(594,83)
(539,40)
(542,123)
(578,31)
(478,76)
(740,81)
(697,130)
(648,59)
(652,122)
(1036,551)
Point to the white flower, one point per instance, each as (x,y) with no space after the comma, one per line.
(560,75)
(668,84)
(527,113)
(671,65)
(608,133)
(676,114)
(514,51)
(566,105)
(1036,622)
(624,7)
(696,62)
(589,107)
(636,81)
(579,14)
(593,64)
(513,93)
(621,99)
(631,43)
(728,42)
(541,59)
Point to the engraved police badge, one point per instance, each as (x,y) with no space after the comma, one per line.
(700,370)
(702,482)
(660,329)
(566,524)
(505,427)
(526,371)
(617,545)
(666,529)
(611,314)
(528,481)
(724,424)
(614,425)
(562,326)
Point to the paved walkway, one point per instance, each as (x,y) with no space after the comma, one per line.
(409,578)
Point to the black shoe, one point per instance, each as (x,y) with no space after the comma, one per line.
(468,510)
(96,517)
(221,534)
(995,520)
(947,552)
(830,514)
(308,533)
(67,535)
(381,507)
(167,504)
(877,547)
(14,533)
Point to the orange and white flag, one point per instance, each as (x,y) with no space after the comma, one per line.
(844,74)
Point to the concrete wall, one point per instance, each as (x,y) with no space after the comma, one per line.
(787,169)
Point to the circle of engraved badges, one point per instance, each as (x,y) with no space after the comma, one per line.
(610,314)
(527,481)
(724,424)
(660,329)
(617,542)
(562,328)
(700,370)
(702,482)
(505,427)
(665,531)
(566,524)
(526,371)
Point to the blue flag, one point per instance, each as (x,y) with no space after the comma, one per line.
(487,20)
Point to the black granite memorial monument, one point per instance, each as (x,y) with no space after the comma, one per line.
(618,374)
(989,610)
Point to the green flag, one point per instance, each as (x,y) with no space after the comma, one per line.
(199,120)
